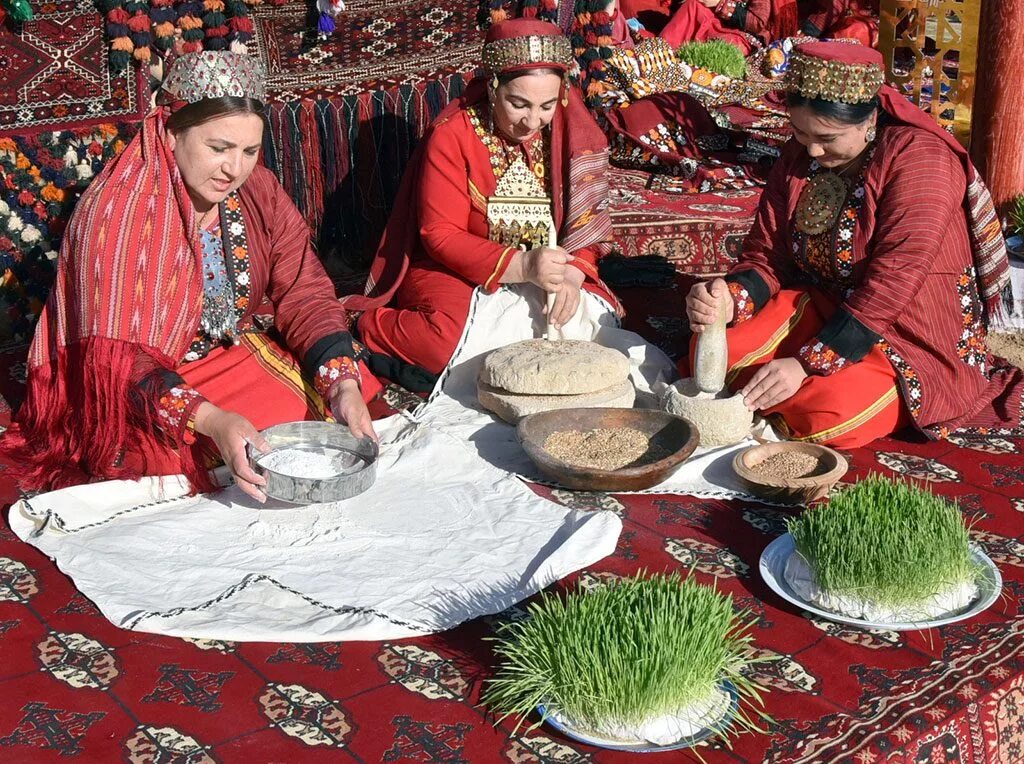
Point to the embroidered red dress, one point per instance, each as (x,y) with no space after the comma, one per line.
(883,309)
(438,245)
(119,361)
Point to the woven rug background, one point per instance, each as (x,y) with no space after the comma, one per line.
(701,234)
(54,72)
(341,160)
(42,174)
(379,44)
(346,113)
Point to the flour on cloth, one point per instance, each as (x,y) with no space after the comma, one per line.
(433,543)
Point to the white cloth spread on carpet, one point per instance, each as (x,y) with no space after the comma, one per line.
(433,543)
(448,532)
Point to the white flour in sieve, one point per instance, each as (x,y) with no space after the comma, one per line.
(302,463)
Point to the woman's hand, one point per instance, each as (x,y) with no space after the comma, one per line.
(702,304)
(348,407)
(546,267)
(230,432)
(773,383)
(567,298)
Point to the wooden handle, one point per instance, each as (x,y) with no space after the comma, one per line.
(552,332)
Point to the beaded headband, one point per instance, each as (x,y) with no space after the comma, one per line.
(521,52)
(214,74)
(814,77)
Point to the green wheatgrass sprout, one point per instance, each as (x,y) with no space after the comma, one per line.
(1016,216)
(628,652)
(716,55)
(886,540)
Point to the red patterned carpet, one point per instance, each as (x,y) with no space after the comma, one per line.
(71,684)
(383,44)
(54,72)
(700,234)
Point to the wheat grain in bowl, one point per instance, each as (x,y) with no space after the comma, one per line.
(604,449)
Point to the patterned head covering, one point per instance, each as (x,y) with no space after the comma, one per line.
(213,74)
(835,71)
(526,44)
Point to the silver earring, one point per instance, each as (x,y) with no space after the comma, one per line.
(870,135)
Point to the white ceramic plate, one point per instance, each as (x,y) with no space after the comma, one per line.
(645,746)
(777,553)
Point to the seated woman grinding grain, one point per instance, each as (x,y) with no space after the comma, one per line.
(861,299)
(521,132)
(146,360)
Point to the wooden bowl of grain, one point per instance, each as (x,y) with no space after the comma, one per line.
(608,449)
(789,472)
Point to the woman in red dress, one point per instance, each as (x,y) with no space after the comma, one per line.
(744,23)
(521,131)
(148,358)
(860,302)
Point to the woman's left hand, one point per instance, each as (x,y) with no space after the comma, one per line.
(773,383)
(567,298)
(348,407)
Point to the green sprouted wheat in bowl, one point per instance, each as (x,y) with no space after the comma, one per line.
(717,56)
(642,659)
(884,551)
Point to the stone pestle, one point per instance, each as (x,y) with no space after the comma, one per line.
(712,356)
(721,418)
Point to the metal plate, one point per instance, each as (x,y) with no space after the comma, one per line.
(777,553)
(643,746)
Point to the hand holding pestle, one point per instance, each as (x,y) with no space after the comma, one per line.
(712,356)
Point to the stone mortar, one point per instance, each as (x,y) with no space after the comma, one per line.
(722,419)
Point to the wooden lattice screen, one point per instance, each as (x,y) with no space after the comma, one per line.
(931,54)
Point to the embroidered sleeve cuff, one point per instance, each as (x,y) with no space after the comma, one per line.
(328,347)
(819,358)
(494,280)
(734,11)
(333,371)
(743,306)
(176,410)
(752,281)
(847,336)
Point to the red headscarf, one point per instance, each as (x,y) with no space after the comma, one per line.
(989,248)
(578,174)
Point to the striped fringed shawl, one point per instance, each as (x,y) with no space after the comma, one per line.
(127,293)
(989,247)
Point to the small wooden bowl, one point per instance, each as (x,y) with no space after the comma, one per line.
(675,434)
(832,467)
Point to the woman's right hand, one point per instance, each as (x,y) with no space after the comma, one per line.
(230,432)
(545,267)
(703,301)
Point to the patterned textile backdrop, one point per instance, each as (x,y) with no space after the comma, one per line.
(41,178)
(54,72)
(700,234)
(341,160)
(381,44)
(346,113)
